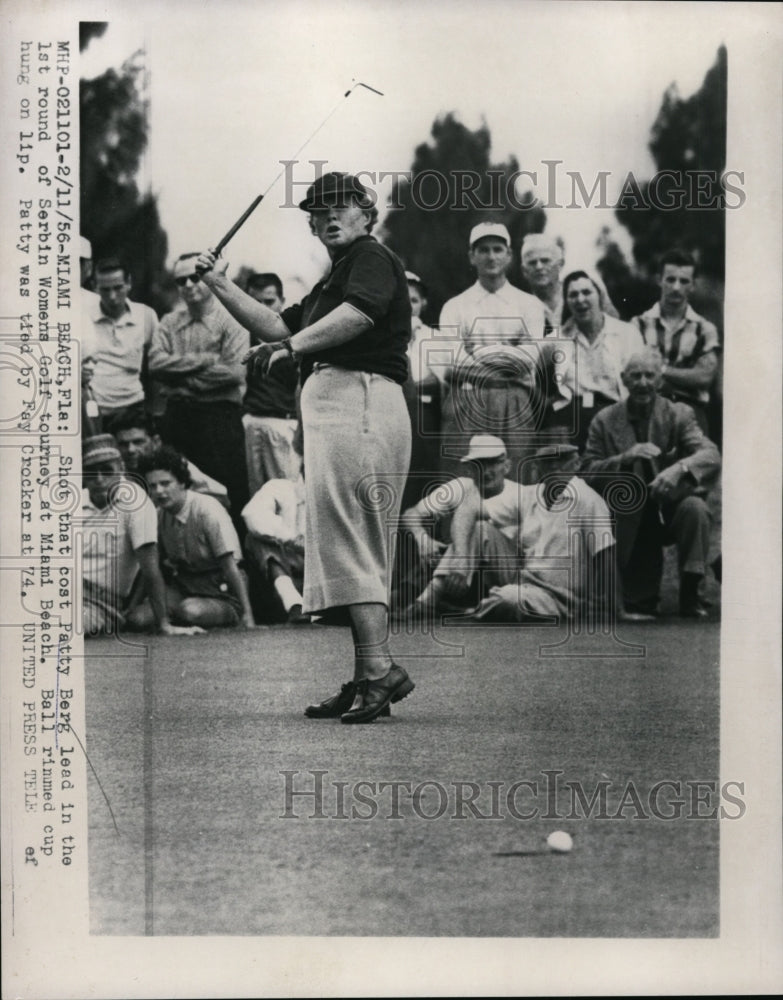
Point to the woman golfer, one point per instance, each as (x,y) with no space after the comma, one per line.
(350,335)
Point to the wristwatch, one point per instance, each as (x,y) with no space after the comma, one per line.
(286,344)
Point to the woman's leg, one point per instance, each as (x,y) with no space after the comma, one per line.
(370,630)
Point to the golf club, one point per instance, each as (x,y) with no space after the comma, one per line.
(252,207)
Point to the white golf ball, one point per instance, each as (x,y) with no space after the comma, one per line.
(559,841)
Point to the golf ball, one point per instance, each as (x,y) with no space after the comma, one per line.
(559,841)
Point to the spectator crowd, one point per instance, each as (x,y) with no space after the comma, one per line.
(557,450)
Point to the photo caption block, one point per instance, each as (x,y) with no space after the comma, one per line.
(44,772)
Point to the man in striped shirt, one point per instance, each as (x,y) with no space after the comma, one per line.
(687,342)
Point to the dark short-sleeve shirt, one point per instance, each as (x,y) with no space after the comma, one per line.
(371,278)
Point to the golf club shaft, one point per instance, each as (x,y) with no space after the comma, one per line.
(238,224)
(252,207)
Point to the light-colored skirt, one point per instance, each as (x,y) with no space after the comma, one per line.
(357,444)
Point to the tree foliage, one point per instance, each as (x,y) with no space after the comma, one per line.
(89,30)
(433,241)
(116,217)
(689,138)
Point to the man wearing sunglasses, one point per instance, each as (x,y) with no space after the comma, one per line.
(197,353)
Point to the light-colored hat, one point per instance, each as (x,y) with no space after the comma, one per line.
(98,449)
(484,229)
(413,279)
(85,248)
(484,446)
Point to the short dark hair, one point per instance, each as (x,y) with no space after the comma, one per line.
(166,459)
(186,256)
(129,422)
(264,279)
(108,264)
(678,257)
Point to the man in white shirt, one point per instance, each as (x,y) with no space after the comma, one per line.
(123,332)
(495,383)
(520,553)
(482,506)
(566,549)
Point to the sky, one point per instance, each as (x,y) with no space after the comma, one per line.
(236,88)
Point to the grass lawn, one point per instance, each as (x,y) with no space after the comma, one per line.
(491,707)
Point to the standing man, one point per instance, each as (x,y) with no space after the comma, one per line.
(197,352)
(494,384)
(688,343)
(661,444)
(270,402)
(123,331)
(542,262)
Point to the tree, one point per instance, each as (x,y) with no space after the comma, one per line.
(116,218)
(631,293)
(688,138)
(452,186)
(89,30)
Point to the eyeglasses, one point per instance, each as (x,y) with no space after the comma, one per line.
(195,278)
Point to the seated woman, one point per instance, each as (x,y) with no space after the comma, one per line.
(199,546)
(587,359)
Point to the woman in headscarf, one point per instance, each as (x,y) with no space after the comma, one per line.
(587,356)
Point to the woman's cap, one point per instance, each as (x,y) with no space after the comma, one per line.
(326,189)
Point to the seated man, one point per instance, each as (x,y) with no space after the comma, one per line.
(120,535)
(550,558)
(484,499)
(275,521)
(661,443)
(199,545)
(566,548)
(137,437)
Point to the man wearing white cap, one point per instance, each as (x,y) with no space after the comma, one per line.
(492,385)
(483,505)
(566,549)
(521,553)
